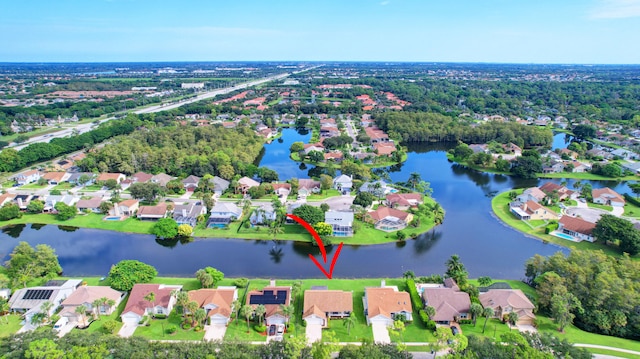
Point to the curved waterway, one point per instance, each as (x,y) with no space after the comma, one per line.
(484,244)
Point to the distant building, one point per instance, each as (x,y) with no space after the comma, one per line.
(192,85)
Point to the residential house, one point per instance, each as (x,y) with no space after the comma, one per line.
(377,188)
(244,184)
(220,185)
(562,192)
(50,201)
(580,167)
(513,149)
(479,148)
(389,219)
(341,222)
(152,213)
(531,194)
(505,301)
(127,207)
(191,183)
(141,177)
(307,187)
(104,177)
(577,228)
(87,296)
(632,166)
(531,210)
(272,297)
(553,167)
(27,177)
(263,214)
(337,157)
(223,213)
(74,178)
(624,154)
(54,178)
(382,305)
(384,148)
(29,300)
(92,204)
(450,303)
(22,200)
(608,197)
(137,306)
(570,154)
(598,152)
(343,183)
(218,303)
(281,189)
(6,198)
(188,213)
(403,201)
(321,304)
(376,135)
(308,147)
(162,179)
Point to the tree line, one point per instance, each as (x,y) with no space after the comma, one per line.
(434,127)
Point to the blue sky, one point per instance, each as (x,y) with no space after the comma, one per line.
(521,31)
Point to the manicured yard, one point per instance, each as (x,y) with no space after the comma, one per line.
(324,195)
(98,325)
(90,188)
(64,186)
(631,210)
(92,220)
(586,176)
(12,326)
(237,332)
(33,185)
(500,206)
(157,329)
(494,328)
(612,353)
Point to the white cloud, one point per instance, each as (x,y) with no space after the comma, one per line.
(615,9)
(386,2)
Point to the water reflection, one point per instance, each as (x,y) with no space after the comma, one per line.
(13,231)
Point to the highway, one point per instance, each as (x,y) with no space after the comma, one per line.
(82,128)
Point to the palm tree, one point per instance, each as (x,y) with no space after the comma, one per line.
(45,307)
(512,319)
(485,281)
(199,316)
(38,319)
(475,310)
(287,311)
(486,313)
(236,309)
(414,179)
(246,312)
(192,307)
(430,311)
(182,299)
(455,269)
(5,308)
(151,298)
(260,311)
(275,229)
(349,322)
(408,275)
(110,303)
(82,310)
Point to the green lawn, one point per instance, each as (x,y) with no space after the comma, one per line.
(612,353)
(12,326)
(324,195)
(91,188)
(33,185)
(237,332)
(92,220)
(600,206)
(500,206)
(157,330)
(586,176)
(97,325)
(36,132)
(64,186)
(631,210)
(494,328)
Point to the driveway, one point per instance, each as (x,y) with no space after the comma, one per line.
(588,214)
(214,331)
(65,329)
(380,333)
(314,333)
(527,328)
(340,203)
(127,330)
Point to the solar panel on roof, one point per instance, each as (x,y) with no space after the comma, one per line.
(38,294)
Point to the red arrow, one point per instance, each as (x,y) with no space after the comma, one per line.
(315,235)
(313,232)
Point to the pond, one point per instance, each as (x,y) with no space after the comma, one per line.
(484,244)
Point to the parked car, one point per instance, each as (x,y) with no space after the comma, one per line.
(272,330)
(280,329)
(454,330)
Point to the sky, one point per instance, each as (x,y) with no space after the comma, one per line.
(502,31)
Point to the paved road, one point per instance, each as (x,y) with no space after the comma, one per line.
(82,128)
(607,348)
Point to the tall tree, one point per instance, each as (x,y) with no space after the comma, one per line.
(260,312)
(487,313)
(475,310)
(349,322)
(246,311)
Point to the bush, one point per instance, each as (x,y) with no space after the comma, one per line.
(431,325)
(304,323)
(160,316)
(260,328)
(186,326)
(143,320)
(172,329)
(198,328)
(413,292)
(465,321)
(109,326)
(290,327)
(241,282)
(423,316)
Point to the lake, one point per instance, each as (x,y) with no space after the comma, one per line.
(484,244)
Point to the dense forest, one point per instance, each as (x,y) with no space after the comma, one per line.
(600,291)
(434,127)
(179,151)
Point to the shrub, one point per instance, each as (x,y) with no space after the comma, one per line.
(290,327)
(260,328)
(431,325)
(413,292)
(198,328)
(160,316)
(186,326)
(241,282)
(172,329)
(423,316)
(110,326)
(465,321)
(144,319)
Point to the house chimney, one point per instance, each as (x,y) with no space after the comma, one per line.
(272,282)
(383,283)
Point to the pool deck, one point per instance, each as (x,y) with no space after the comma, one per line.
(565,236)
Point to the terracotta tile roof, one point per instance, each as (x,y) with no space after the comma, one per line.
(158,210)
(320,302)
(277,186)
(54,176)
(222,298)
(577,225)
(384,148)
(248,182)
(384,301)
(89,203)
(404,199)
(107,176)
(142,177)
(88,294)
(28,173)
(536,193)
(608,193)
(307,183)
(137,304)
(128,203)
(383,212)
(514,298)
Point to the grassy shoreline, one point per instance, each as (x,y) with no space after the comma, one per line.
(500,207)
(366,235)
